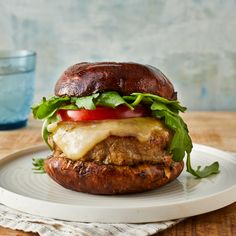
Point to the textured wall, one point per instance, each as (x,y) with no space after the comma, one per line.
(192,41)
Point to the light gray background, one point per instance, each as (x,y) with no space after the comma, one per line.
(192,41)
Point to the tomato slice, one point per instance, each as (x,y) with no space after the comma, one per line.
(102,113)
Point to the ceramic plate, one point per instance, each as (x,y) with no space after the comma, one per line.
(37,194)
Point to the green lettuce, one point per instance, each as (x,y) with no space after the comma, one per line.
(162,108)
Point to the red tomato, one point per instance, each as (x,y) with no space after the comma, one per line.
(102,113)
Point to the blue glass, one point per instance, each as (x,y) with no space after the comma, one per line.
(17,79)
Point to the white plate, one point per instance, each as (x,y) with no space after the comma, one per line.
(37,194)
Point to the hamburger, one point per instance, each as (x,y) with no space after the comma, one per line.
(115,128)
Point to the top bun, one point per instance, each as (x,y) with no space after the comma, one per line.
(85,78)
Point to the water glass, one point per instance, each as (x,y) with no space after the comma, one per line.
(17,78)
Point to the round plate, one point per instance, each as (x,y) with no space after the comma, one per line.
(37,194)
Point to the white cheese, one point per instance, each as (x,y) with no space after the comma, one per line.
(75,139)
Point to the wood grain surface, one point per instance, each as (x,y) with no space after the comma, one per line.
(216,129)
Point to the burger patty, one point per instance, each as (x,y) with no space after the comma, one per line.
(97,178)
(129,150)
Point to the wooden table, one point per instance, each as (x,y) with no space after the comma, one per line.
(217,129)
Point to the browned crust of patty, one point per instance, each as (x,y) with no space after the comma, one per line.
(130,151)
(90,177)
(85,78)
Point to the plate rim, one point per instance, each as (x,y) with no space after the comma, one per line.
(25,151)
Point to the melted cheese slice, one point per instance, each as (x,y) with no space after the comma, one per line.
(76,139)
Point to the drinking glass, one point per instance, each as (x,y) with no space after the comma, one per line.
(17,78)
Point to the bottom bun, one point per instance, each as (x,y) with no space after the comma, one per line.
(91,177)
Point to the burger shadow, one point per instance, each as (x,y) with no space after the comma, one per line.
(174,186)
(190,183)
(181,186)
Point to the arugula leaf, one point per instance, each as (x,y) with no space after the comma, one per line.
(38,165)
(173,103)
(45,133)
(87,102)
(111,99)
(48,107)
(181,142)
(69,107)
(108,99)
(144,100)
(137,100)
(205,172)
(159,106)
